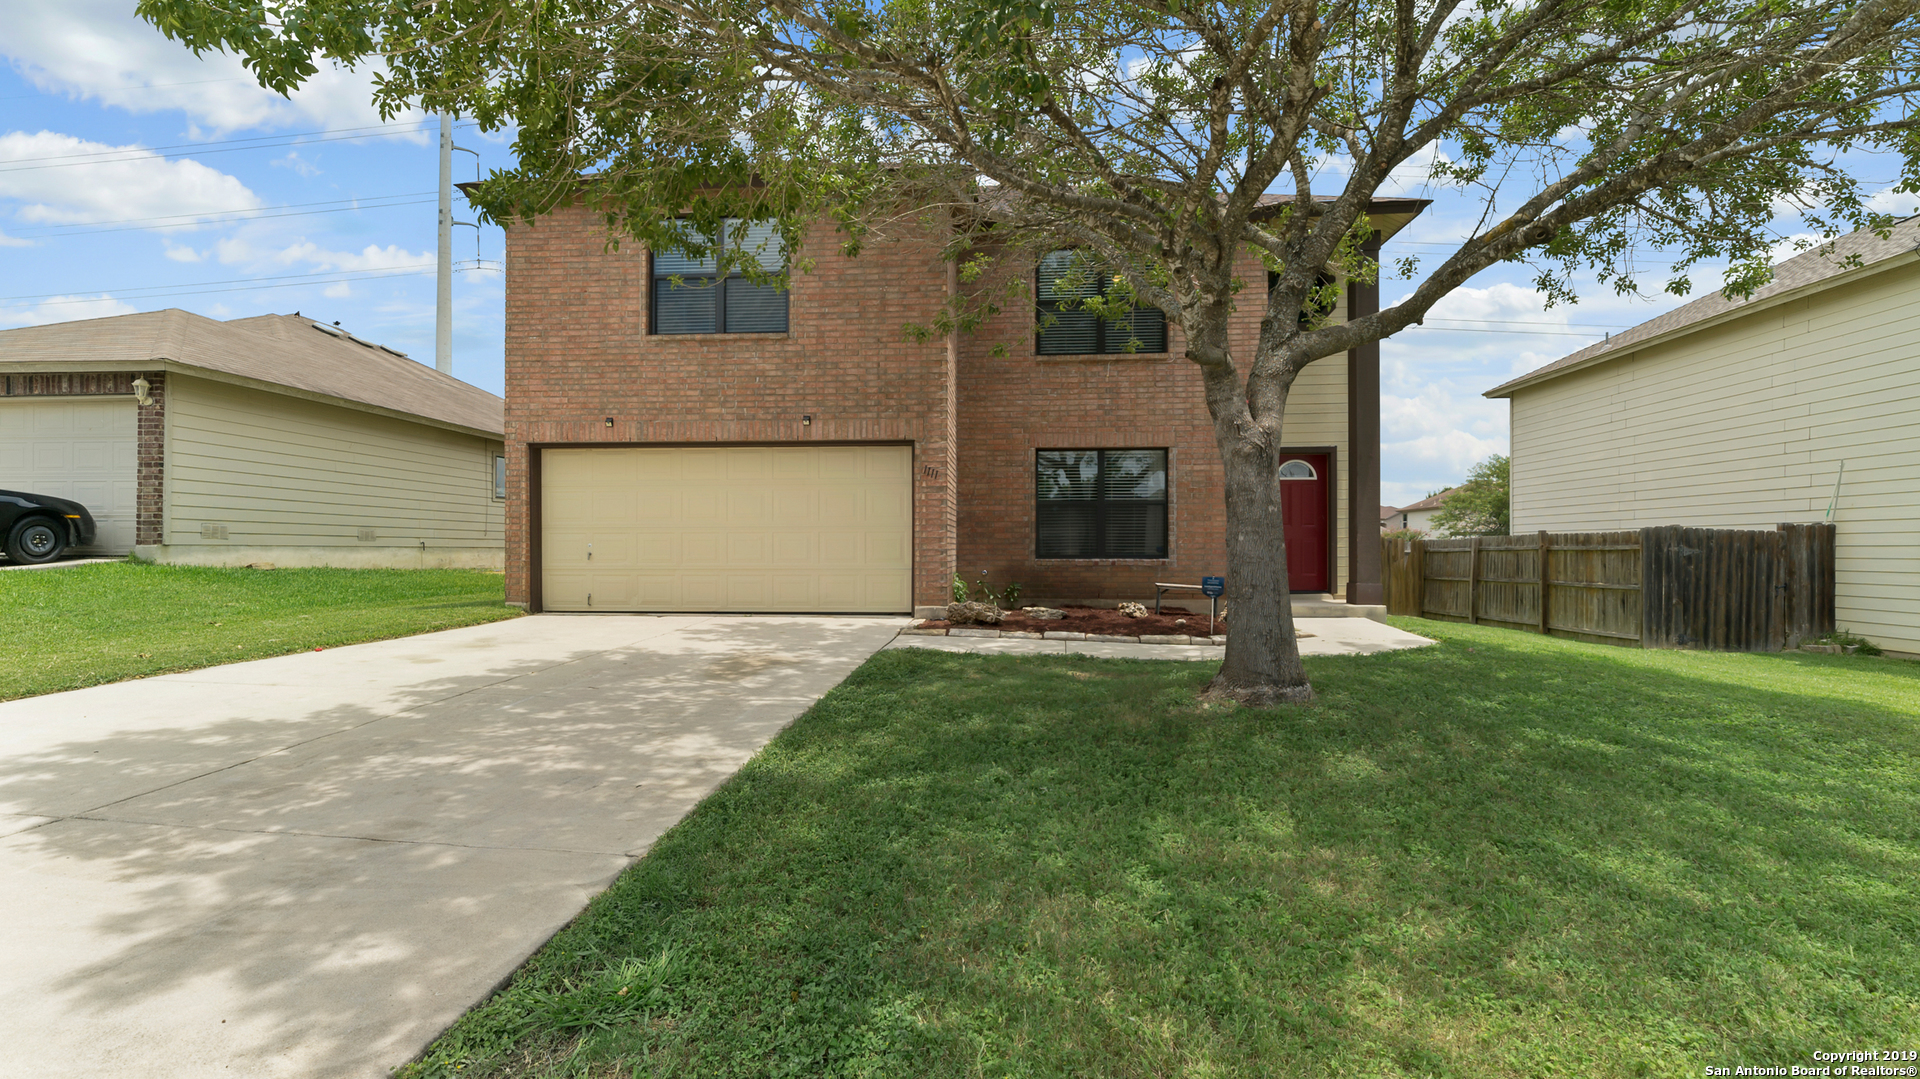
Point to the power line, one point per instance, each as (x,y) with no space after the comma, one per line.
(140,153)
(394,271)
(144,86)
(135,224)
(216,291)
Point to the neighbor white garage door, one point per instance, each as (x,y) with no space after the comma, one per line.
(81,448)
(737,528)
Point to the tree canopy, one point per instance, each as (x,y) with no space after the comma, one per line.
(1481,506)
(1155,136)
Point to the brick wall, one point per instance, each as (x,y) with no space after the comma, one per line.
(1015,404)
(578,353)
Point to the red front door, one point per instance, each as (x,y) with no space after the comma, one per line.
(1303,508)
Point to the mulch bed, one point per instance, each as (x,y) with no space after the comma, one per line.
(1102,620)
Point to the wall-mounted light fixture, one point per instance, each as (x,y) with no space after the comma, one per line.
(609,421)
(140,394)
(806,421)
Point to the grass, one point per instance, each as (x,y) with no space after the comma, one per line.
(1501,856)
(85,625)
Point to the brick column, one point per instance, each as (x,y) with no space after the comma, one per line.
(150,438)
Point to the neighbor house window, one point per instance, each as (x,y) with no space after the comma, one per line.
(1064,280)
(689,296)
(1100,504)
(499,476)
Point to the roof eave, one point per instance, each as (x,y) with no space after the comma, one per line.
(1904,258)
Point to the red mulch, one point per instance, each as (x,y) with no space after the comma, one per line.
(1104,620)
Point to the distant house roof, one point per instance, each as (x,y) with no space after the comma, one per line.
(1387,512)
(284,352)
(1843,258)
(1431,502)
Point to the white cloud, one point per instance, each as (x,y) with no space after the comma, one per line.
(236,250)
(135,183)
(13,241)
(99,50)
(339,290)
(65,309)
(184,254)
(298,164)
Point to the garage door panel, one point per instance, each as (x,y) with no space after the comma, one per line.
(81,448)
(778,528)
(795,548)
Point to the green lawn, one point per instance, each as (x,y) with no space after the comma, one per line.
(84,625)
(1502,856)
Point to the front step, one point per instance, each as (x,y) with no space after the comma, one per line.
(1330,606)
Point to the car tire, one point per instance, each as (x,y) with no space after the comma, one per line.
(36,540)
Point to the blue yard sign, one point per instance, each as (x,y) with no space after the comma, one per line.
(1213,586)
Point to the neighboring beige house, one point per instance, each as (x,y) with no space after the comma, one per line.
(269,439)
(1417,517)
(1741,413)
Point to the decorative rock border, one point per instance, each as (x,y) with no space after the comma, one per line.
(918,630)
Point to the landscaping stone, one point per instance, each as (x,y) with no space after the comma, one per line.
(1065,635)
(974,613)
(1133,610)
(971,631)
(1823,649)
(925,631)
(1043,614)
(1165,638)
(1020,633)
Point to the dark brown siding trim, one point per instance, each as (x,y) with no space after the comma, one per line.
(67,385)
(1363,444)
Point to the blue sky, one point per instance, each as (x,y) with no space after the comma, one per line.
(135,176)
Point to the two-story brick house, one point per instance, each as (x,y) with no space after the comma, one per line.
(680,444)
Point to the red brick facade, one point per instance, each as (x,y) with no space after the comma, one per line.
(578,353)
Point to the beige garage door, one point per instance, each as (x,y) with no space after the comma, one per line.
(81,448)
(735,528)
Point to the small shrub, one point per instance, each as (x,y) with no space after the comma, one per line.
(1850,642)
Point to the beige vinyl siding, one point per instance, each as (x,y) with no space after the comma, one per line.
(1744,425)
(274,470)
(1317,416)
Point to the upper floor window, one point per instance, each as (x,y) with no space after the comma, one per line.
(689,296)
(1064,281)
(1319,305)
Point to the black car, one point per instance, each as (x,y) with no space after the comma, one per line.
(38,528)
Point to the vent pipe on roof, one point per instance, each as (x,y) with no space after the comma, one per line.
(443,306)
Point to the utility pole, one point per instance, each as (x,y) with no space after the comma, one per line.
(443,308)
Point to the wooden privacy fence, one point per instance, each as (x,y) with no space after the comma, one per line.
(1724,589)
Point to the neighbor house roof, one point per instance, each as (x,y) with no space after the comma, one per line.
(1387,512)
(285,353)
(1431,502)
(1843,259)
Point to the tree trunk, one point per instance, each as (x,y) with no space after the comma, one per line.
(1262,665)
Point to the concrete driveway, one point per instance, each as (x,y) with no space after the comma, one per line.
(308,866)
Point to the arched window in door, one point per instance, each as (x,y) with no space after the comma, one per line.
(1297,469)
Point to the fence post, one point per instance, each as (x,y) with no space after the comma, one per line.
(1418,561)
(1544,582)
(1473,581)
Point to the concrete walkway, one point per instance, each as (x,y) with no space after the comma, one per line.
(309,866)
(1345,636)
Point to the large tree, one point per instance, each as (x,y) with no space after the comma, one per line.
(1147,133)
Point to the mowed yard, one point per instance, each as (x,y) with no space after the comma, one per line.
(1500,856)
(75,626)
